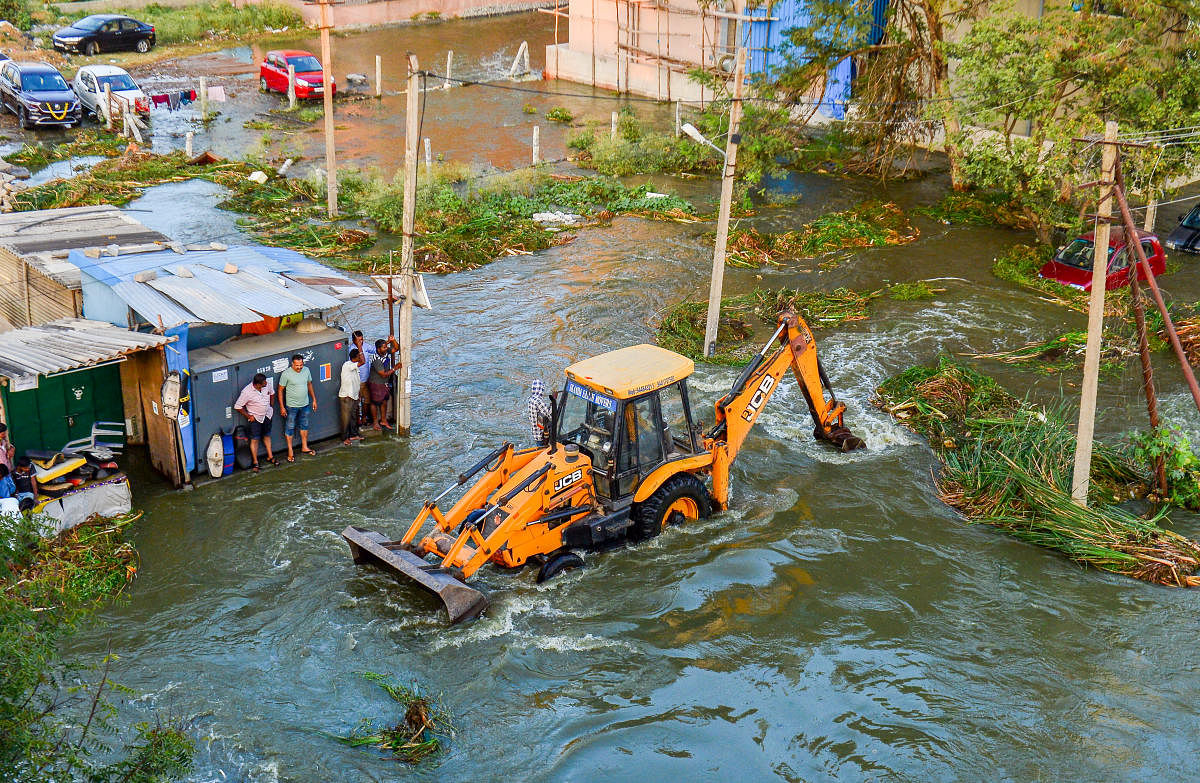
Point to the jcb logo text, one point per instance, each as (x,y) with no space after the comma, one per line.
(764,388)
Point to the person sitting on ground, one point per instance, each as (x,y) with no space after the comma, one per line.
(26,483)
(255,404)
(538,410)
(7,488)
(296,401)
(348,396)
(378,383)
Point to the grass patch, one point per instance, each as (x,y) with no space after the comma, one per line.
(870,224)
(976,209)
(210,21)
(1007,463)
(455,230)
(681,328)
(86,142)
(559,114)
(637,150)
(1065,353)
(908,292)
(420,733)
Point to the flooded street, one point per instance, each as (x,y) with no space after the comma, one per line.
(839,622)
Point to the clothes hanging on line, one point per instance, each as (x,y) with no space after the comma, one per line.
(160,100)
(173,100)
(216,94)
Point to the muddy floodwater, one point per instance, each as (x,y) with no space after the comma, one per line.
(838,622)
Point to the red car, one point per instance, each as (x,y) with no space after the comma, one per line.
(1072,264)
(273,73)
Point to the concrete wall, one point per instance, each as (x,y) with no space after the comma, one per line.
(370,13)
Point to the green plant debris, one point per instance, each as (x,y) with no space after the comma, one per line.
(1008,464)
(907,292)
(529,108)
(681,329)
(559,114)
(975,208)
(421,732)
(209,21)
(870,224)
(637,150)
(1182,466)
(86,142)
(261,125)
(455,230)
(1065,352)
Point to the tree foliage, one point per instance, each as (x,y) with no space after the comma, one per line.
(55,714)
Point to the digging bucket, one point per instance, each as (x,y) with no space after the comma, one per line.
(461,602)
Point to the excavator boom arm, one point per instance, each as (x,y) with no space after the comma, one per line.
(737,411)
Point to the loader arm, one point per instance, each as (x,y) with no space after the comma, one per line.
(737,411)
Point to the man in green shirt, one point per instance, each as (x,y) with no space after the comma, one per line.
(296,401)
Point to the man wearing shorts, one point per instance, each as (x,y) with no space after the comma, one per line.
(255,404)
(296,401)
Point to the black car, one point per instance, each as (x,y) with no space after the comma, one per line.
(1186,236)
(105,33)
(38,94)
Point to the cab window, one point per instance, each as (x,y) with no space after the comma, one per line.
(677,437)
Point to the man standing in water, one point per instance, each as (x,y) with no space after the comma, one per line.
(379,381)
(538,410)
(348,396)
(296,401)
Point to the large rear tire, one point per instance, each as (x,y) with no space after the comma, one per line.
(681,498)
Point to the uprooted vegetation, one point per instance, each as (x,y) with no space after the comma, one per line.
(870,224)
(86,142)
(976,208)
(422,731)
(1065,352)
(1008,463)
(458,226)
(56,719)
(681,328)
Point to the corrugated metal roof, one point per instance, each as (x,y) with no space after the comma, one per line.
(194,287)
(42,237)
(207,304)
(68,345)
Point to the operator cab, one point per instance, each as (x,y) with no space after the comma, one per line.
(628,411)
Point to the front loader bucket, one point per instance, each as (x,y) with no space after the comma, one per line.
(461,602)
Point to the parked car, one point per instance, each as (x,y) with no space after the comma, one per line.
(38,94)
(1072,264)
(273,73)
(104,33)
(1186,235)
(89,83)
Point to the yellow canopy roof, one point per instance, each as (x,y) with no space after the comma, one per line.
(628,372)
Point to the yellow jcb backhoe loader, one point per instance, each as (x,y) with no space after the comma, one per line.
(624,461)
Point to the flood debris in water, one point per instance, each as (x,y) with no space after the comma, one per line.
(87,142)
(681,328)
(908,292)
(870,224)
(421,731)
(1065,352)
(976,208)
(1007,463)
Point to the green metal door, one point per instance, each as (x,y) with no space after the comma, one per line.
(63,407)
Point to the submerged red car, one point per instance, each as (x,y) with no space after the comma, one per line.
(1072,264)
(273,73)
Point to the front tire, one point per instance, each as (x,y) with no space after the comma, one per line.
(556,564)
(91,49)
(23,119)
(681,498)
(142,46)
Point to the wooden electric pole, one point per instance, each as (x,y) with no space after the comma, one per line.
(727,179)
(331,188)
(411,131)
(1081,475)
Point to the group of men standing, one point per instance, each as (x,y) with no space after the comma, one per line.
(364,392)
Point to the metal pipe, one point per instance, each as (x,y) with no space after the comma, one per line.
(1168,326)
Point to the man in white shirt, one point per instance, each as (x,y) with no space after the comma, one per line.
(255,404)
(348,396)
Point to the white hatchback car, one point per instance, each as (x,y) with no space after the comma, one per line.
(89,85)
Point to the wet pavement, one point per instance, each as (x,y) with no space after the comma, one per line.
(838,623)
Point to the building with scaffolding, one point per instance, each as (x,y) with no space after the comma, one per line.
(647,47)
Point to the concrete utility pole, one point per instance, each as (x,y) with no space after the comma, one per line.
(727,179)
(1081,476)
(411,131)
(331,188)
